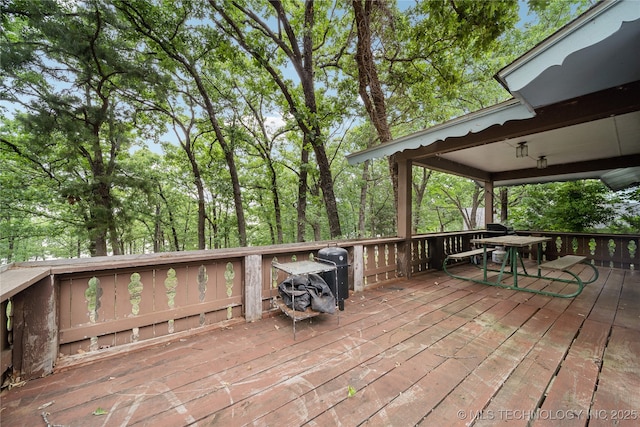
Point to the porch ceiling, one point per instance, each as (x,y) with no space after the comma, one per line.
(590,149)
(576,102)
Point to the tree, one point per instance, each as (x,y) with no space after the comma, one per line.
(31,214)
(448,203)
(571,206)
(62,67)
(264,141)
(169,30)
(424,50)
(89,82)
(299,34)
(629,221)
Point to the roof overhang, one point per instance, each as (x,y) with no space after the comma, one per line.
(459,127)
(574,104)
(596,51)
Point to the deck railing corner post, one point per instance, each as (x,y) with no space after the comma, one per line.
(404,258)
(36,329)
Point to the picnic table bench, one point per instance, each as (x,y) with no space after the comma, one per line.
(563,263)
(474,252)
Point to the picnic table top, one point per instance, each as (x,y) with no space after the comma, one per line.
(511,240)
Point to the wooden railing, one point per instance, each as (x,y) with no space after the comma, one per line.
(73,308)
(87,306)
(603,250)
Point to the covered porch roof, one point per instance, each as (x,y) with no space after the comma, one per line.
(576,101)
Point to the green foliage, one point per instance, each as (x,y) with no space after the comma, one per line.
(351,391)
(448,204)
(124,123)
(572,206)
(628,221)
(99,411)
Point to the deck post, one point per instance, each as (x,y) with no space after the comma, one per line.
(488,203)
(404,217)
(253,287)
(358,268)
(35,329)
(436,252)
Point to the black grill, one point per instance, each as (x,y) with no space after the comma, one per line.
(499,229)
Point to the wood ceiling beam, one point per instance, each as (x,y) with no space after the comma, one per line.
(570,168)
(443,165)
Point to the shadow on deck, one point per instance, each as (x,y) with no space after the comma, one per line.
(430,350)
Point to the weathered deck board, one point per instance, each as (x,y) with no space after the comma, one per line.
(192,377)
(519,392)
(628,312)
(431,350)
(617,398)
(322,347)
(572,389)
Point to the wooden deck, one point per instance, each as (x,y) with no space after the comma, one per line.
(431,350)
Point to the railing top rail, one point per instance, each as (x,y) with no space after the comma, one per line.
(10,274)
(73,265)
(595,235)
(448,233)
(18,279)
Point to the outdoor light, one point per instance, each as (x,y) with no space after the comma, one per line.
(542,162)
(522,150)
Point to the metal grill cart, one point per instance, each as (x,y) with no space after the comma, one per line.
(304,268)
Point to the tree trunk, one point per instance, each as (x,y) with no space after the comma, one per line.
(174,232)
(215,228)
(303,189)
(313,134)
(419,190)
(197,180)
(229,157)
(477,202)
(369,86)
(276,204)
(101,207)
(504,204)
(157,230)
